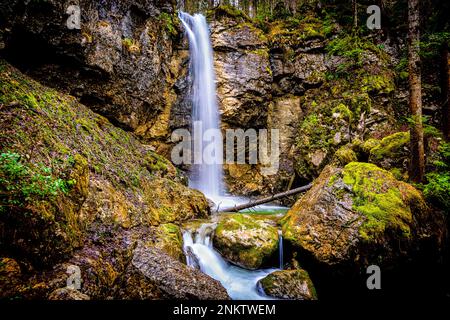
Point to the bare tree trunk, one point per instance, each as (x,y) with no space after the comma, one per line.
(446,91)
(355,14)
(415,93)
(268,199)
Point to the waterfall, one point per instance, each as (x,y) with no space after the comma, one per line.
(206,176)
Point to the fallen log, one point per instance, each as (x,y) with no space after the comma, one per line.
(267,199)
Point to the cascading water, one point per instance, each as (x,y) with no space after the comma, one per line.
(206,176)
(240,283)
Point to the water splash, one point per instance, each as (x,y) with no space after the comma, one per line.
(206,176)
(240,283)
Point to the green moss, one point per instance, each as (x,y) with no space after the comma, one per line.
(230,12)
(295,31)
(369,145)
(245,240)
(391,145)
(170,23)
(342,111)
(58,141)
(353,47)
(346,155)
(384,201)
(379,83)
(170,240)
(131,45)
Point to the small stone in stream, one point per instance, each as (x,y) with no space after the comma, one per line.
(289,284)
(193,260)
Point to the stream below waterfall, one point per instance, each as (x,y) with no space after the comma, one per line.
(207,173)
(240,283)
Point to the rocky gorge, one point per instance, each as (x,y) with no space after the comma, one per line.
(86,182)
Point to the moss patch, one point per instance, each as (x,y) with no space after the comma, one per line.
(170,240)
(390,146)
(384,201)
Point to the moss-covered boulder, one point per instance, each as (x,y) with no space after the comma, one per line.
(360,215)
(64,167)
(289,284)
(245,240)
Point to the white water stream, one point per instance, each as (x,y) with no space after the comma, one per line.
(240,283)
(207,176)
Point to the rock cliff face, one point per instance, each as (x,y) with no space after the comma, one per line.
(293,77)
(129,62)
(122,63)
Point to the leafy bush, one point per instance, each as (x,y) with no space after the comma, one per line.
(20,183)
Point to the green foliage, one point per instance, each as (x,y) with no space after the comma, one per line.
(21,183)
(401,68)
(353,47)
(432,43)
(169,22)
(437,190)
(229,11)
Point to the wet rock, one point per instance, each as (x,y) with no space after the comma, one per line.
(10,275)
(245,240)
(360,215)
(243,73)
(174,279)
(289,284)
(167,208)
(106,175)
(67,294)
(122,63)
(169,240)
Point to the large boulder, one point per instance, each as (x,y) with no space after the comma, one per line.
(360,215)
(245,240)
(289,284)
(115,263)
(172,279)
